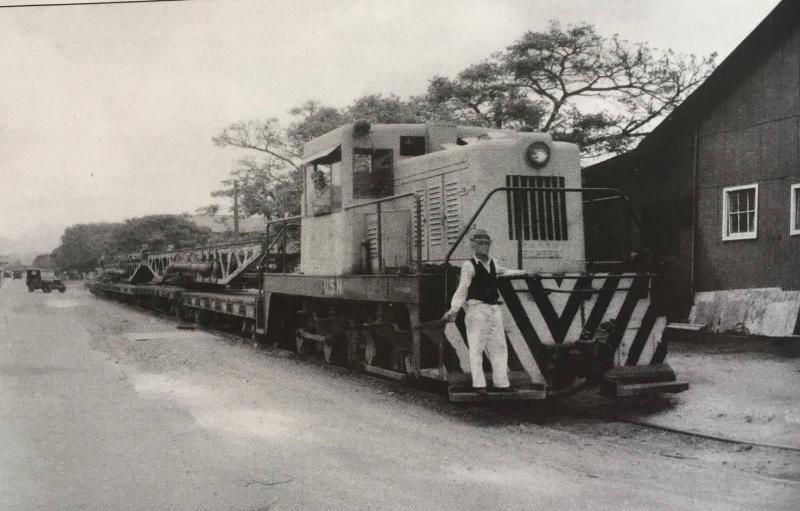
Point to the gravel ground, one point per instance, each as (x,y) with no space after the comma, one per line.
(98,420)
(745,390)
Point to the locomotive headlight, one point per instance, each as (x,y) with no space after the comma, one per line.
(537,155)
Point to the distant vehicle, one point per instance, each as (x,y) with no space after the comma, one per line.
(44,280)
(7,274)
(17,274)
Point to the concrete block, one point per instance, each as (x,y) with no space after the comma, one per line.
(765,311)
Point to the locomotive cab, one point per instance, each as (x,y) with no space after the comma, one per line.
(356,170)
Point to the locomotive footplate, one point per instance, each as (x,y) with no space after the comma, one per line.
(460,390)
(630,381)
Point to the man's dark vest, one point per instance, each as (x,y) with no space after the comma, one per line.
(484,283)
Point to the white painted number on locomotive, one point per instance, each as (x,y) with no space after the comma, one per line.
(332,287)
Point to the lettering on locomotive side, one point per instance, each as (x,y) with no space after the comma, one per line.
(332,287)
(542,254)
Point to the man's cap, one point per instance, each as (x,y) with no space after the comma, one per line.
(480,235)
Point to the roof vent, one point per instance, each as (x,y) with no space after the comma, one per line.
(361,128)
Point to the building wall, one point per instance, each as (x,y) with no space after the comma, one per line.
(752,136)
(749,133)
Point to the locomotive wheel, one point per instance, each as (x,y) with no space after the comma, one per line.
(409,365)
(61,289)
(370,350)
(352,348)
(327,352)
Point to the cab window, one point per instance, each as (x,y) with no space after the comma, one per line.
(323,184)
(372,173)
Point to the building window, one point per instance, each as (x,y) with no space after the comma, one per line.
(372,173)
(412,146)
(739,212)
(794,209)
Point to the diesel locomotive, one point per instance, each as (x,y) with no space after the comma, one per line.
(364,274)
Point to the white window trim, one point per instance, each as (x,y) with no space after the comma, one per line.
(793,194)
(739,235)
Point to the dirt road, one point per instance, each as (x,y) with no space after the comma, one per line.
(103,407)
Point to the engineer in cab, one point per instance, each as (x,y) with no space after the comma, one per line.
(321,196)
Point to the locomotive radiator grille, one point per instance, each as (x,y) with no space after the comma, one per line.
(537,215)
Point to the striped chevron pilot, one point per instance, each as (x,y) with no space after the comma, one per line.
(552,319)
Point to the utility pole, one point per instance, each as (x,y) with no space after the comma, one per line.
(236,210)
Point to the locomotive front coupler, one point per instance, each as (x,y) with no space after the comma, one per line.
(589,357)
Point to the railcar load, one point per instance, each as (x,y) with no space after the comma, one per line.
(366,271)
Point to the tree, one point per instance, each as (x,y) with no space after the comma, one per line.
(44,261)
(269,177)
(157,232)
(484,95)
(83,245)
(601,93)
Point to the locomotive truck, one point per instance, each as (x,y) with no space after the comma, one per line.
(366,271)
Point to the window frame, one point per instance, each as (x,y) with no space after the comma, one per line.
(409,144)
(334,164)
(726,213)
(358,193)
(794,195)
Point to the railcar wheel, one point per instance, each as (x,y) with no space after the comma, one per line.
(327,352)
(370,350)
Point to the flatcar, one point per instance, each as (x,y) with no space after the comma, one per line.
(366,271)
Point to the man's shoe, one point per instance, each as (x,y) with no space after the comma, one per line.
(504,389)
(481,391)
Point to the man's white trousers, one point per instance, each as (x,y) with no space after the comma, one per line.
(485,332)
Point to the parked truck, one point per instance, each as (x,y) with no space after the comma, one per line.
(44,280)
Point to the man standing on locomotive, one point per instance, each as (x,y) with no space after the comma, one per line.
(477,293)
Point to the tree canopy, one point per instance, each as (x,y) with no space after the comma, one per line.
(602,93)
(268,174)
(158,232)
(84,246)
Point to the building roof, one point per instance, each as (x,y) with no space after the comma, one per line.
(771,32)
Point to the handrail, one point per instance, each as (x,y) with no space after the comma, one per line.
(519,238)
(525,189)
(377,203)
(382,199)
(280,236)
(284,219)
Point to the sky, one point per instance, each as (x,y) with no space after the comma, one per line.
(107,112)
